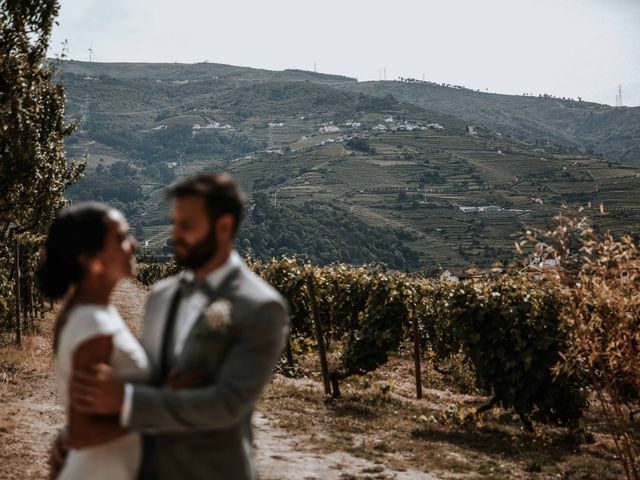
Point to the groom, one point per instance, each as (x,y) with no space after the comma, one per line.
(217,322)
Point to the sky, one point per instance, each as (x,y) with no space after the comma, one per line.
(566,48)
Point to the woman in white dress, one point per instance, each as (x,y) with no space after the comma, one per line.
(87,252)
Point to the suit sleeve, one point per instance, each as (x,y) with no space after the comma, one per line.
(244,373)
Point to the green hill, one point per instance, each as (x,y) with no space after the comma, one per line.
(589,127)
(332,173)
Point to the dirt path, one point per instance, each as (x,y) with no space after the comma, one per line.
(281,455)
(30,416)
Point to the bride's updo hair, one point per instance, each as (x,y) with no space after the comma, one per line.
(76,230)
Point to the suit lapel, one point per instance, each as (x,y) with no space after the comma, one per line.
(226,285)
(221,292)
(156,321)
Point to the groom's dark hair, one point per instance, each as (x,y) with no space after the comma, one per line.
(220,192)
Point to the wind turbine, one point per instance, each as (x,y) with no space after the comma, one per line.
(91,52)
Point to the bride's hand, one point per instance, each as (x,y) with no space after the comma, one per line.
(179,379)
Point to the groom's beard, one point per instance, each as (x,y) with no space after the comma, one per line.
(198,254)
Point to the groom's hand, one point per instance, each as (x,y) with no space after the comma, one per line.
(96,390)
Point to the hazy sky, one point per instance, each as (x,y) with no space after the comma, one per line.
(562,47)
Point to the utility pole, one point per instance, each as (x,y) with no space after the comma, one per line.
(619,97)
(269,137)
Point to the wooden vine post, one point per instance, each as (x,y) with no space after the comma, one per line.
(289,353)
(416,356)
(324,365)
(18,297)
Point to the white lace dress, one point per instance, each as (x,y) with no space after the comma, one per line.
(118,459)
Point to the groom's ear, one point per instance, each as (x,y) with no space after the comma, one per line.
(225,225)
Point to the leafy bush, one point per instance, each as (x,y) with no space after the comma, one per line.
(512,332)
(150,273)
(381,326)
(599,277)
(359,144)
(509,329)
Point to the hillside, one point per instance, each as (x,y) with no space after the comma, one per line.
(180,72)
(334,174)
(590,127)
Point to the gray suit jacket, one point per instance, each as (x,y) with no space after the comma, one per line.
(205,432)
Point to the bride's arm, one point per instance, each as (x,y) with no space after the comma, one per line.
(86,430)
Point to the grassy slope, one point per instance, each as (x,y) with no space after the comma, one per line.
(612,132)
(449,168)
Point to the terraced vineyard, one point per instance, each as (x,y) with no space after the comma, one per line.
(306,146)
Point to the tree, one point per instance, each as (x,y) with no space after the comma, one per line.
(34,172)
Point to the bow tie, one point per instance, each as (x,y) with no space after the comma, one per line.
(189,286)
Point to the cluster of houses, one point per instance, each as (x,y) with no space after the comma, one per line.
(197,128)
(492,211)
(536,269)
(404,126)
(329,129)
(389,124)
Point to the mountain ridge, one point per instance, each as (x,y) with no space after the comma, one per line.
(590,127)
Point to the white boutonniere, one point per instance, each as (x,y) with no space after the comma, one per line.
(218,315)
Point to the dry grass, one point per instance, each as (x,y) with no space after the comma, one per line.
(379,419)
(29,415)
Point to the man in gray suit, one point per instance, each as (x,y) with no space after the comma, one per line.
(217,322)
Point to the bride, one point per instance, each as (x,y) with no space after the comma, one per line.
(87,252)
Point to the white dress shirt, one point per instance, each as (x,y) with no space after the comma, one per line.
(188,312)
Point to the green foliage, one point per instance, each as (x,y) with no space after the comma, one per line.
(149,272)
(289,276)
(108,184)
(34,172)
(440,333)
(359,144)
(362,310)
(512,332)
(381,325)
(325,233)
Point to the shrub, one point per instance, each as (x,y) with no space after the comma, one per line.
(512,332)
